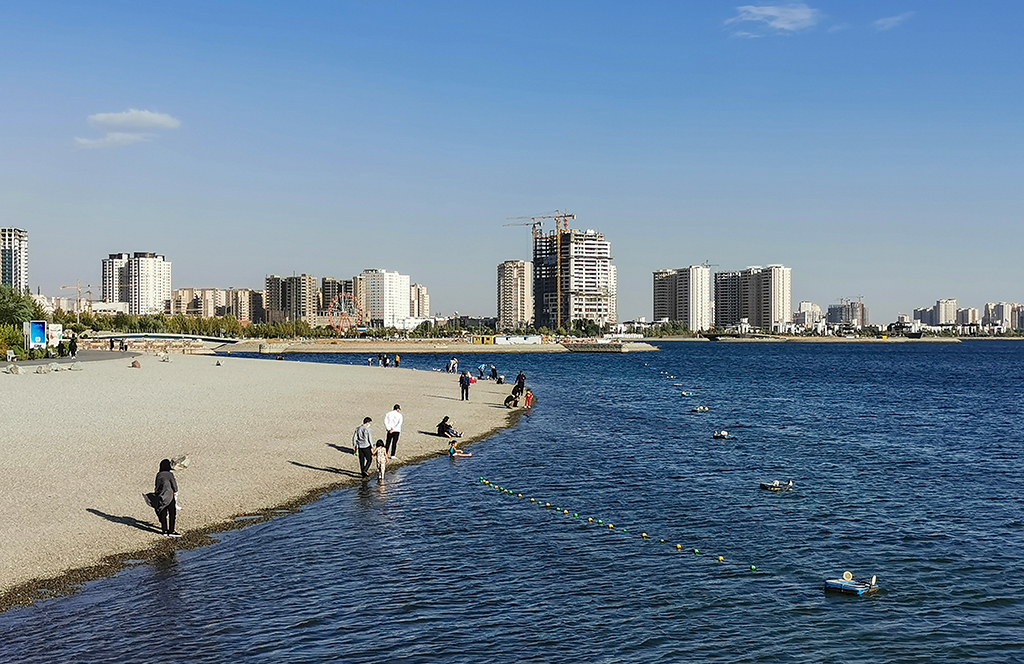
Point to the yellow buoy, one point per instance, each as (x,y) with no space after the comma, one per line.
(590,520)
(679,546)
(644,535)
(721,559)
(611,527)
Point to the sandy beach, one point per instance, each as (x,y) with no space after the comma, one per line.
(80,449)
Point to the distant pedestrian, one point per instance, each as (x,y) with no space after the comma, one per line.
(455,365)
(73,347)
(529,399)
(398,360)
(362,444)
(393,423)
(482,368)
(166,499)
(381,455)
(111,344)
(464,383)
(494,373)
(369,361)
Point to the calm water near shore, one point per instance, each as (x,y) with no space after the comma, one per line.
(907,462)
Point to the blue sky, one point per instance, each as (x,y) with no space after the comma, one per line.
(874,147)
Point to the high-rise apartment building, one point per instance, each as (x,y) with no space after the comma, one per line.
(968,316)
(115,278)
(684,295)
(762,295)
(14,259)
(143,280)
(330,288)
(573,278)
(848,312)
(515,295)
(387,297)
(292,298)
(945,311)
(419,301)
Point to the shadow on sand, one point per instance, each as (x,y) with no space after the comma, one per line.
(336,471)
(126,521)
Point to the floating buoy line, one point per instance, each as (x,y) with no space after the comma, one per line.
(610,527)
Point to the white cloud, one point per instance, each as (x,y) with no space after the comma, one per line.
(135,119)
(890,22)
(113,139)
(777,19)
(839,27)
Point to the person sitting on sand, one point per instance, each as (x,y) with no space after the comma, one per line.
(446,429)
(456,452)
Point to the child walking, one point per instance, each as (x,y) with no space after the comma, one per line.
(381,455)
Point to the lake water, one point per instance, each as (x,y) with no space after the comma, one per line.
(906,461)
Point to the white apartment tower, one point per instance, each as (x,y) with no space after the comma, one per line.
(573,278)
(143,280)
(14,259)
(684,295)
(515,294)
(945,311)
(419,301)
(387,297)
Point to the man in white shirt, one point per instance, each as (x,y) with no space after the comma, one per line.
(393,423)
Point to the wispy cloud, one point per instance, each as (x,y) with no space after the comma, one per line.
(132,119)
(839,27)
(113,139)
(890,22)
(776,19)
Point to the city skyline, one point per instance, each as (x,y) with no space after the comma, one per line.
(874,148)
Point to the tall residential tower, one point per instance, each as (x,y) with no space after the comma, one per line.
(684,295)
(515,295)
(14,259)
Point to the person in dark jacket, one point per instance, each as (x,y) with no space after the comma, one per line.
(166,492)
(464,383)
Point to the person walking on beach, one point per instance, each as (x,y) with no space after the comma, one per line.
(464,383)
(381,455)
(166,499)
(362,444)
(398,360)
(393,423)
(73,347)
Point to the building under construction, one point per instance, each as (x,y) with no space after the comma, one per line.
(573,276)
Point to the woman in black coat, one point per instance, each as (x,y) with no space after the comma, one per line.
(166,491)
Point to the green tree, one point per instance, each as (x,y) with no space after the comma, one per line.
(15,307)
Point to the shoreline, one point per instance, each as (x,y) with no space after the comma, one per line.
(54,541)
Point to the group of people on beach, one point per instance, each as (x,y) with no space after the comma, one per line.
(384,361)
(384,449)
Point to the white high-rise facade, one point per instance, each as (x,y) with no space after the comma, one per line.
(684,295)
(149,284)
(515,295)
(387,297)
(143,280)
(14,259)
(945,311)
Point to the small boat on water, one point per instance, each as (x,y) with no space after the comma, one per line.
(776,485)
(700,409)
(722,435)
(848,586)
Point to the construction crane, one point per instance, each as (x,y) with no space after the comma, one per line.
(561,220)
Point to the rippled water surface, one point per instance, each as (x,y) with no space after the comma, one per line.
(906,460)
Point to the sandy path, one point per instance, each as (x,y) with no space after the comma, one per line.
(80,448)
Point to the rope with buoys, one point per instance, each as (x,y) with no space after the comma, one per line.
(599,522)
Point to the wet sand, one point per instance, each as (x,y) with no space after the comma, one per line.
(82,447)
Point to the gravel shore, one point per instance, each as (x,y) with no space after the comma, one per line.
(81,447)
